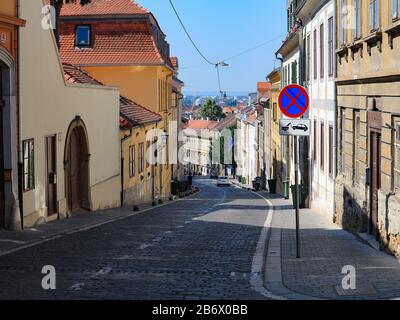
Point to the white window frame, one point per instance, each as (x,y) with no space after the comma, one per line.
(374,15)
(344,18)
(357,20)
(395,9)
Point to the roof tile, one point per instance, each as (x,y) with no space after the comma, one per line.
(103,7)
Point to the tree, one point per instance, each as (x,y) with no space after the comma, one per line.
(211,111)
(58,4)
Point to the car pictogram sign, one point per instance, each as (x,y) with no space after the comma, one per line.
(294,101)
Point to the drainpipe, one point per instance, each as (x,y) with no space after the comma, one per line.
(123,165)
(19,142)
(169,76)
(335,72)
(282,143)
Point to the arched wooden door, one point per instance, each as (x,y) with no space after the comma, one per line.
(75,171)
(2,214)
(77,159)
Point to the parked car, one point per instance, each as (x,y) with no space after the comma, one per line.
(223,181)
(213,175)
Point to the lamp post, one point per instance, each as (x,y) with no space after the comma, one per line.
(217,66)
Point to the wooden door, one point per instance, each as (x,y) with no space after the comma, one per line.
(51,175)
(375,182)
(75,171)
(2,214)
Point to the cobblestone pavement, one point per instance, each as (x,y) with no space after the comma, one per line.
(197,248)
(326,249)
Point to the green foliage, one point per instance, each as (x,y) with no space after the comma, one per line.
(211,110)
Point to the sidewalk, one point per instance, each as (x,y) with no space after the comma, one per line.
(325,250)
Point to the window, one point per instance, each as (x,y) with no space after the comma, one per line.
(343,138)
(275,112)
(357,147)
(132,168)
(83,36)
(331,52)
(397,156)
(315,140)
(357,19)
(322,137)
(322,51)
(344,22)
(395,9)
(29,164)
(147,151)
(374,15)
(141,158)
(308,44)
(294,72)
(331,151)
(315,55)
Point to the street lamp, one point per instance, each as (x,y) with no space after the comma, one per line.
(217,66)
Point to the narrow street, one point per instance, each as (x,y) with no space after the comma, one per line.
(200,247)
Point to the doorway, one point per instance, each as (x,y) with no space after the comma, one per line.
(375,182)
(51,170)
(2,197)
(77,167)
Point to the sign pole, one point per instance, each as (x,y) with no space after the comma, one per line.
(294,102)
(297,169)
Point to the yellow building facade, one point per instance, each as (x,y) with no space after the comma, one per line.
(367,196)
(276,141)
(125,47)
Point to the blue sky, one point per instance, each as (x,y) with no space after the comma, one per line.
(223,28)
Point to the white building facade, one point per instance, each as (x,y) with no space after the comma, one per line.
(317,40)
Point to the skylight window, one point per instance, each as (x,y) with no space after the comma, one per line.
(83,36)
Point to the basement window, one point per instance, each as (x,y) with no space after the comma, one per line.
(83,36)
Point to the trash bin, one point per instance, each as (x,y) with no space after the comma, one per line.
(174,187)
(272,186)
(286,189)
(302,196)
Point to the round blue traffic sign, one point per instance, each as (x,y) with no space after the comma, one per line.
(294,101)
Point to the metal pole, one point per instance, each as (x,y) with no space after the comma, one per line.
(296,163)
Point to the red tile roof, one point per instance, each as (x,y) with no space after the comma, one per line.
(103,7)
(75,75)
(200,124)
(133,114)
(117,47)
(264,89)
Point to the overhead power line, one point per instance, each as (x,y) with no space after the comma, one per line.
(241,53)
(189,36)
(253,48)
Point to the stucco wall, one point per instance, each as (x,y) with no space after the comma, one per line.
(48,105)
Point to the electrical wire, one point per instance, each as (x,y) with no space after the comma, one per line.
(253,48)
(189,36)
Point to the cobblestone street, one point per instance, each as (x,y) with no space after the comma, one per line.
(196,248)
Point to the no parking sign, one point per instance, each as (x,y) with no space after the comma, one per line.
(294,101)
